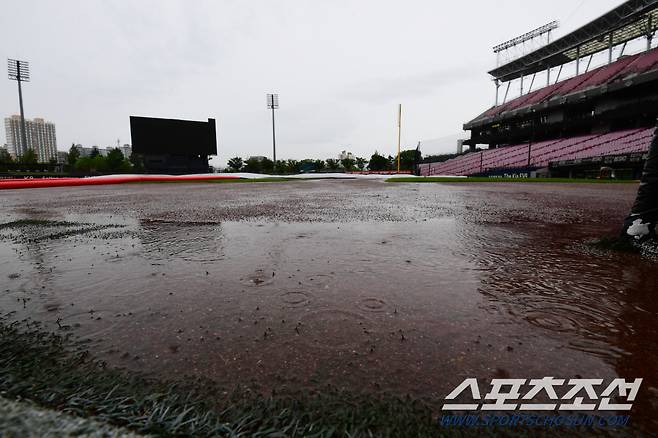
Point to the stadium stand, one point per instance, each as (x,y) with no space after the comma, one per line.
(575,123)
(543,153)
(617,71)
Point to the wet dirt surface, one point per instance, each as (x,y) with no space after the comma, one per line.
(371,286)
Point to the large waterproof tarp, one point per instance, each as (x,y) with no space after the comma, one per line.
(26,183)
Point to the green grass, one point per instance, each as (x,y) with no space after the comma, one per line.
(51,371)
(442,179)
(55,372)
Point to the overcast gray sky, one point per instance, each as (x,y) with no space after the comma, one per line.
(340,67)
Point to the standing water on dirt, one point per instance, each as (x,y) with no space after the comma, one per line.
(369,286)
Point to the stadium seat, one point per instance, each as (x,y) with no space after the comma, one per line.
(543,152)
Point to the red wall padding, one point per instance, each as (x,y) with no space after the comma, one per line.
(97,180)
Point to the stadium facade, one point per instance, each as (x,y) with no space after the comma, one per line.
(599,120)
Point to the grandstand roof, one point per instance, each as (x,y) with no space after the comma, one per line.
(628,21)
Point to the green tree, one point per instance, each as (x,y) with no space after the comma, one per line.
(29,157)
(5,157)
(360,163)
(347,163)
(332,164)
(408,159)
(235,164)
(267,166)
(137,162)
(307,165)
(253,165)
(379,162)
(281,167)
(114,160)
(293,166)
(319,165)
(94,152)
(73,155)
(91,165)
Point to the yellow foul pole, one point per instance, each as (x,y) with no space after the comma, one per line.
(399,132)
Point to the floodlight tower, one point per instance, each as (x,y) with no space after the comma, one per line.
(272,104)
(541,33)
(19,71)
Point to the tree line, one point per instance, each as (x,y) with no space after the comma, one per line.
(116,162)
(94,164)
(113,162)
(377,162)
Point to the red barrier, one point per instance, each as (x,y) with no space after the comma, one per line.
(26,183)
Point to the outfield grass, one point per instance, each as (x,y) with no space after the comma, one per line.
(448,179)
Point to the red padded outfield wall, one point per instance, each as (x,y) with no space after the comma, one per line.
(28,183)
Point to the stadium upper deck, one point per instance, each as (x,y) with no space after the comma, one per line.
(600,117)
(621,94)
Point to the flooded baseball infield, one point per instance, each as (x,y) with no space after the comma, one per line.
(367,285)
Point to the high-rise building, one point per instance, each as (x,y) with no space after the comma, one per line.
(41,138)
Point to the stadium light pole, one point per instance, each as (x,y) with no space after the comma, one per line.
(272,104)
(19,71)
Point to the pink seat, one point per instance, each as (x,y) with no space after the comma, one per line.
(542,153)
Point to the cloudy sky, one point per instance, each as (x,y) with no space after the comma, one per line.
(340,67)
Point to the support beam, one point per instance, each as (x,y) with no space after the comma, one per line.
(506,91)
(610,48)
(649,31)
(559,72)
(497,82)
(532,82)
(577,60)
(521,85)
